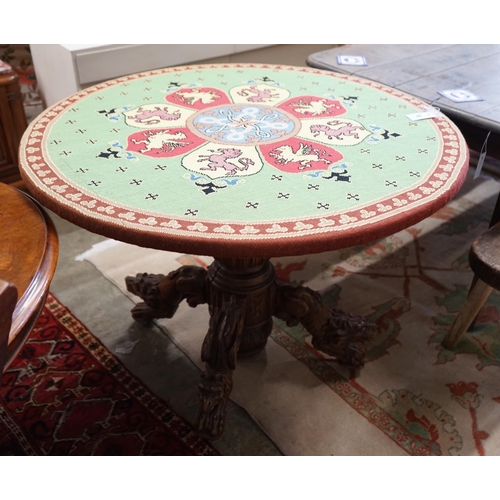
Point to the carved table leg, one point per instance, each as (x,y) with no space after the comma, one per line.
(163,294)
(243,296)
(333,331)
(219,351)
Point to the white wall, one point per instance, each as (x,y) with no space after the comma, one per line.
(64,69)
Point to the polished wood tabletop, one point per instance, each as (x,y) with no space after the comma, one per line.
(28,257)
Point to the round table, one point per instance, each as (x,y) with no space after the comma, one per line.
(28,257)
(243,162)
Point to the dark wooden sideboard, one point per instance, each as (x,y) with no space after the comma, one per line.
(12,125)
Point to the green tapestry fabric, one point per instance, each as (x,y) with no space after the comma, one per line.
(242,160)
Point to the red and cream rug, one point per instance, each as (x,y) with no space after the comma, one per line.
(66,394)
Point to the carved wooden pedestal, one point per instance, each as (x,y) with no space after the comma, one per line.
(243,295)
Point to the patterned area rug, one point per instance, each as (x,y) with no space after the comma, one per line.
(66,394)
(413,396)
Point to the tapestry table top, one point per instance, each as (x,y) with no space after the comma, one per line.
(242,160)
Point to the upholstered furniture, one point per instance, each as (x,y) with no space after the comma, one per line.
(28,256)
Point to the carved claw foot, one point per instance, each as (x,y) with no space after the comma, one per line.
(333,331)
(219,352)
(215,388)
(163,294)
(344,336)
(144,314)
(146,286)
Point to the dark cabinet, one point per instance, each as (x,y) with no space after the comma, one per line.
(12,124)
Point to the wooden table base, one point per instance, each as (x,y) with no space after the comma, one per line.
(243,295)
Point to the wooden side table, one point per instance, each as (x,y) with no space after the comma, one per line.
(12,124)
(28,257)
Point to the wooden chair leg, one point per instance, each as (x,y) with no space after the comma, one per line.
(475,279)
(478,295)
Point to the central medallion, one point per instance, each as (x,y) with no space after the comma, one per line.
(243,124)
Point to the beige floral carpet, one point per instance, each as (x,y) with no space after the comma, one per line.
(413,397)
